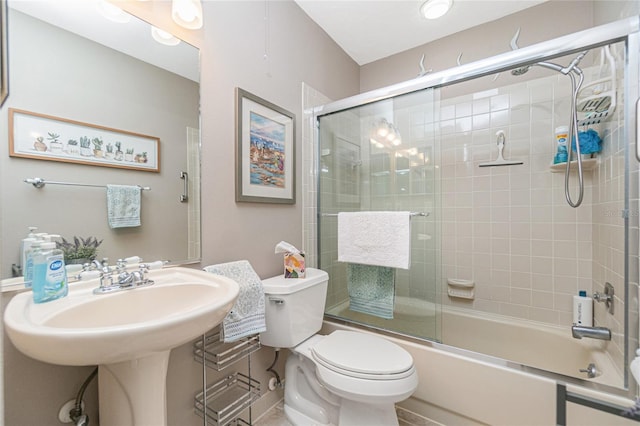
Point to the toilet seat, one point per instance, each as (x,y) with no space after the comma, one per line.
(362,356)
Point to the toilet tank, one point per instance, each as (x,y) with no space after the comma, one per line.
(294,308)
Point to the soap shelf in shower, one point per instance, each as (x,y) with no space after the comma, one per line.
(226,399)
(587,165)
(219,355)
(463,289)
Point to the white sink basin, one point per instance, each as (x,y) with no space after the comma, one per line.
(129,334)
(89,329)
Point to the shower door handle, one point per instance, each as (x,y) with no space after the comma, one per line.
(276,300)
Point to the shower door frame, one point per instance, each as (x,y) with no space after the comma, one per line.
(626,31)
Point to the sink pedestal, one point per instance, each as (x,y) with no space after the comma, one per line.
(134,393)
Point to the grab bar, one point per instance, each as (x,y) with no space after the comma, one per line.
(185,192)
(40,183)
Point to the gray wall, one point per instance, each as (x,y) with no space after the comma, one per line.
(233,56)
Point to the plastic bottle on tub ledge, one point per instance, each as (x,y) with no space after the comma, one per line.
(583,309)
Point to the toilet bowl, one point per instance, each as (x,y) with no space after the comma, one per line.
(343,378)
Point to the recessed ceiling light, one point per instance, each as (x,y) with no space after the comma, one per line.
(434,9)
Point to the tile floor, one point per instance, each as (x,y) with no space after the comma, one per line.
(276,417)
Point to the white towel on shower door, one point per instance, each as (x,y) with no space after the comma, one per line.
(375,238)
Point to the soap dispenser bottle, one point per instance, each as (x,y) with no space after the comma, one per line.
(49,274)
(33,250)
(25,244)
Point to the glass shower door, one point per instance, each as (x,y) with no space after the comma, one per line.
(382,157)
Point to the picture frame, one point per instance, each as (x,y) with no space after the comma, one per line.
(45,137)
(265,151)
(4,55)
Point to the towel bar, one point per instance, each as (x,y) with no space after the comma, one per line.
(410,214)
(39,183)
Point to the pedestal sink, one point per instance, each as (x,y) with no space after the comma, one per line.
(129,334)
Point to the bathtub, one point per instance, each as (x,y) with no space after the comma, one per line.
(507,339)
(535,345)
(460,387)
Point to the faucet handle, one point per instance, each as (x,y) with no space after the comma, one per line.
(121,265)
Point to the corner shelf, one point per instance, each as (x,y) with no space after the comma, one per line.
(587,165)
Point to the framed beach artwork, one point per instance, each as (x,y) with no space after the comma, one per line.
(265,151)
(45,137)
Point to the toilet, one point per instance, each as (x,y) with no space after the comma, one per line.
(343,378)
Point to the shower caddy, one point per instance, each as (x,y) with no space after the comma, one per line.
(222,402)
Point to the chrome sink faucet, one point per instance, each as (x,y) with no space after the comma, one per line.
(123,280)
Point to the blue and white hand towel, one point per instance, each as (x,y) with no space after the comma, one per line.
(371,289)
(123,206)
(247,314)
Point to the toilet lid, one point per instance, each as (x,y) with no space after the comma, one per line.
(362,355)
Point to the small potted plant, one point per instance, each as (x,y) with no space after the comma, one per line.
(119,153)
(39,144)
(141,158)
(80,250)
(109,153)
(128,156)
(85,147)
(72,147)
(54,143)
(97,150)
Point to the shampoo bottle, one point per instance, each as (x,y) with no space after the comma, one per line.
(582,310)
(562,134)
(49,274)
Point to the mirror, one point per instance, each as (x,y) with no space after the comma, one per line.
(4,77)
(66,60)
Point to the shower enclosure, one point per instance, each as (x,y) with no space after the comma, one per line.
(496,247)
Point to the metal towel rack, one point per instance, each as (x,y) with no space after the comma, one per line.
(39,183)
(410,214)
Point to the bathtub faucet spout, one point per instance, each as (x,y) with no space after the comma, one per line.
(601,333)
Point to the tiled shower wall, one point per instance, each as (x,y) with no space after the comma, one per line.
(509,228)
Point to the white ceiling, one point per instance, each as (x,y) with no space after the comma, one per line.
(369,30)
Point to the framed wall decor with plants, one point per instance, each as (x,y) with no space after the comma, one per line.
(45,137)
(265,151)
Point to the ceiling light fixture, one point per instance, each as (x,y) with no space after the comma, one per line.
(187,13)
(434,9)
(164,37)
(113,12)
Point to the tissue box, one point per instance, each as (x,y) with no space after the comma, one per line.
(294,265)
